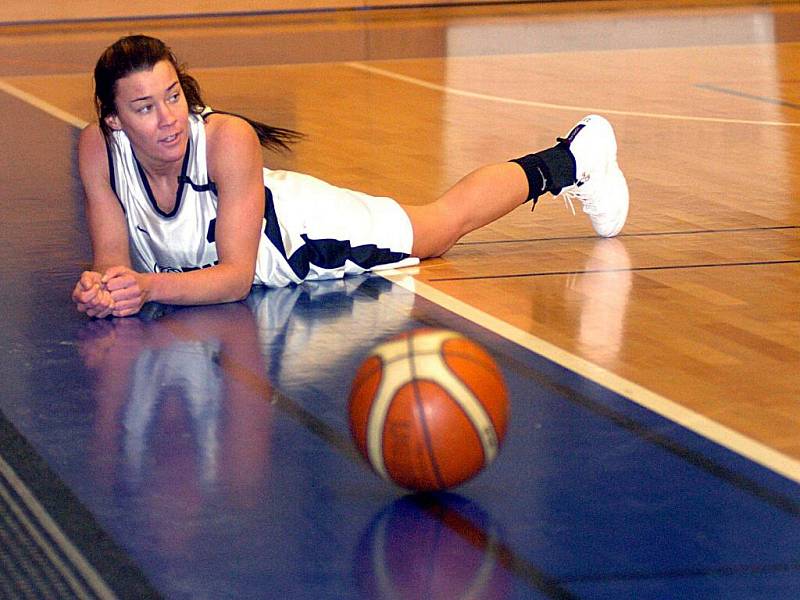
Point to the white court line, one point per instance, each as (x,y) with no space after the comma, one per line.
(42,105)
(580,109)
(725,437)
(707,428)
(738,443)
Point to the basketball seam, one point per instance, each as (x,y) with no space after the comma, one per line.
(486,364)
(378,409)
(437,474)
(493,443)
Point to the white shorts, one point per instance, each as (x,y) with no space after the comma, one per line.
(314,230)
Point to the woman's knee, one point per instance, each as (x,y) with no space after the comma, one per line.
(435,231)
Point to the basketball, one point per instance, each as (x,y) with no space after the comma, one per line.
(428,409)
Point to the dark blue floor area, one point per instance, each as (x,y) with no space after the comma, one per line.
(212,445)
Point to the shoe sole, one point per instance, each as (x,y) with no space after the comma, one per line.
(615,172)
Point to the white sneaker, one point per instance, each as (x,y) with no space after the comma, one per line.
(600,187)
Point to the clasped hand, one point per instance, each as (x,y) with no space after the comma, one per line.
(117,292)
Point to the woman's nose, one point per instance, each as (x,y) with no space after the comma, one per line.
(166,115)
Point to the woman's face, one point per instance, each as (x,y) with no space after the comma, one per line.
(152,111)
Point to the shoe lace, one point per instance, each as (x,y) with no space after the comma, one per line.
(574,193)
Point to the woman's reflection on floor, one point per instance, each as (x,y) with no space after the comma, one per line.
(182,415)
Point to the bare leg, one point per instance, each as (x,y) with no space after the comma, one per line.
(586,157)
(478,199)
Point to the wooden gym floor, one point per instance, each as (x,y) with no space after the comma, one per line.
(692,313)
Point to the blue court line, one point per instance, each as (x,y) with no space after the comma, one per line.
(730,92)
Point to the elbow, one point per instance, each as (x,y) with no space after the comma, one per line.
(241,290)
(236,295)
(233,287)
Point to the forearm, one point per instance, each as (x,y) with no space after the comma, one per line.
(103,258)
(213,285)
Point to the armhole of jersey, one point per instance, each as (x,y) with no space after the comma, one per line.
(112,176)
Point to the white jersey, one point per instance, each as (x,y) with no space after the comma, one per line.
(310,230)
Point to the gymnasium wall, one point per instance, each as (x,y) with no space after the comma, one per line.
(21,11)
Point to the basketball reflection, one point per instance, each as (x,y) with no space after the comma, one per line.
(182,416)
(432,546)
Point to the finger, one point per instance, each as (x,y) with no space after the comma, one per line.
(133,304)
(89,296)
(107,300)
(132,293)
(120,282)
(126,312)
(105,313)
(102,302)
(89,279)
(103,309)
(113,272)
(93,311)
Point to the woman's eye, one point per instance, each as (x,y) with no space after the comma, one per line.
(145,109)
(174,97)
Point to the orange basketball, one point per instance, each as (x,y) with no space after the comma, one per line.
(428,409)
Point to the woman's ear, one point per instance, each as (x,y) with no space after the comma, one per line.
(113,122)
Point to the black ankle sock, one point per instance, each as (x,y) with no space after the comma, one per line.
(548,170)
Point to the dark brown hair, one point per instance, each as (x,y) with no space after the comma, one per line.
(141,53)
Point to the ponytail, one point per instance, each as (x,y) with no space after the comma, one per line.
(270,137)
(140,52)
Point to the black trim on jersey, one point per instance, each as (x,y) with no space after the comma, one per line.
(324,253)
(199,187)
(211,234)
(112,174)
(272,229)
(181,181)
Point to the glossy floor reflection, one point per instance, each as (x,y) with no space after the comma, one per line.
(212,444)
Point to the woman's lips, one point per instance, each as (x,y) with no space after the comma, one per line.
(170,139)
